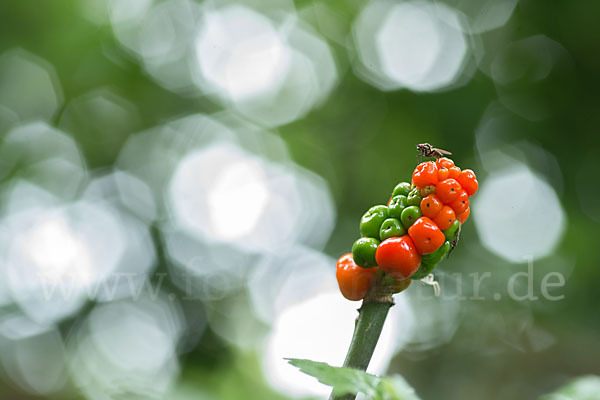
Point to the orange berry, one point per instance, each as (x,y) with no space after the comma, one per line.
(445,218)
(443,173)
(463,217)
(398,257)
(468,181)
(448,191)
(454,172)
(425,174)
(445,162)
(353,281)
(426,235)
(459,206)
(431,206)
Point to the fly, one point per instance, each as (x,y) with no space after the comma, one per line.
(427,150)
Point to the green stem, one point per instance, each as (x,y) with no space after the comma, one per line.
(371,317)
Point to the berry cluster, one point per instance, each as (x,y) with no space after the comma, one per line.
(408,237)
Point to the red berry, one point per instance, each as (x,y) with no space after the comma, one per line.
(454,172)
(448,191)
(445,218)
(445,162)
(431,206)
(463,217)
(426,235)
(459,206)
(398,257)
(353,281)
(468,181)
(443,173)
(425,174)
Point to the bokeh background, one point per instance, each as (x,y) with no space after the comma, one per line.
(178,178)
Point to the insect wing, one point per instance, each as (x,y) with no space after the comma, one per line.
(442,151)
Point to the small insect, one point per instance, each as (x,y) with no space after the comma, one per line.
(427,150)
(430,280)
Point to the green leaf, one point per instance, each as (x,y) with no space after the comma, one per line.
(343,380)
(395,388)
(351,381)
(584,388)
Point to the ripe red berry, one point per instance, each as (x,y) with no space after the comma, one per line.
(445,218)
(353,281)
(443,173)
(425,174)
(454,172)
(398,257)
(463,217)
(431,206)
(448,191)
(426,235)
(459,206)
(468,181)
(445,162)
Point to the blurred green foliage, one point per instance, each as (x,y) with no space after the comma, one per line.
(362,142)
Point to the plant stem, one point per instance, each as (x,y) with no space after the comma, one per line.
(371,317)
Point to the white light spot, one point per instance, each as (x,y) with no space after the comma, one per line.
(318,329)
(219,192)
(55,255)
(416,44)
(518,215)
(57,252)
(153,155)
(107,358)
(413,45)
(271,73)
(287,278)
(237,200)
(240,52)
(222,194)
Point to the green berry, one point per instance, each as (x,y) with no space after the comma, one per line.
(436,256)
(452,230)
(430,261)
(363,252)
(371,221)
(397,204)
(410,215)
(414,197)
(391,227)
(427,190)
(403,188)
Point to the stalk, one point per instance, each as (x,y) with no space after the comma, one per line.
(371,317)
